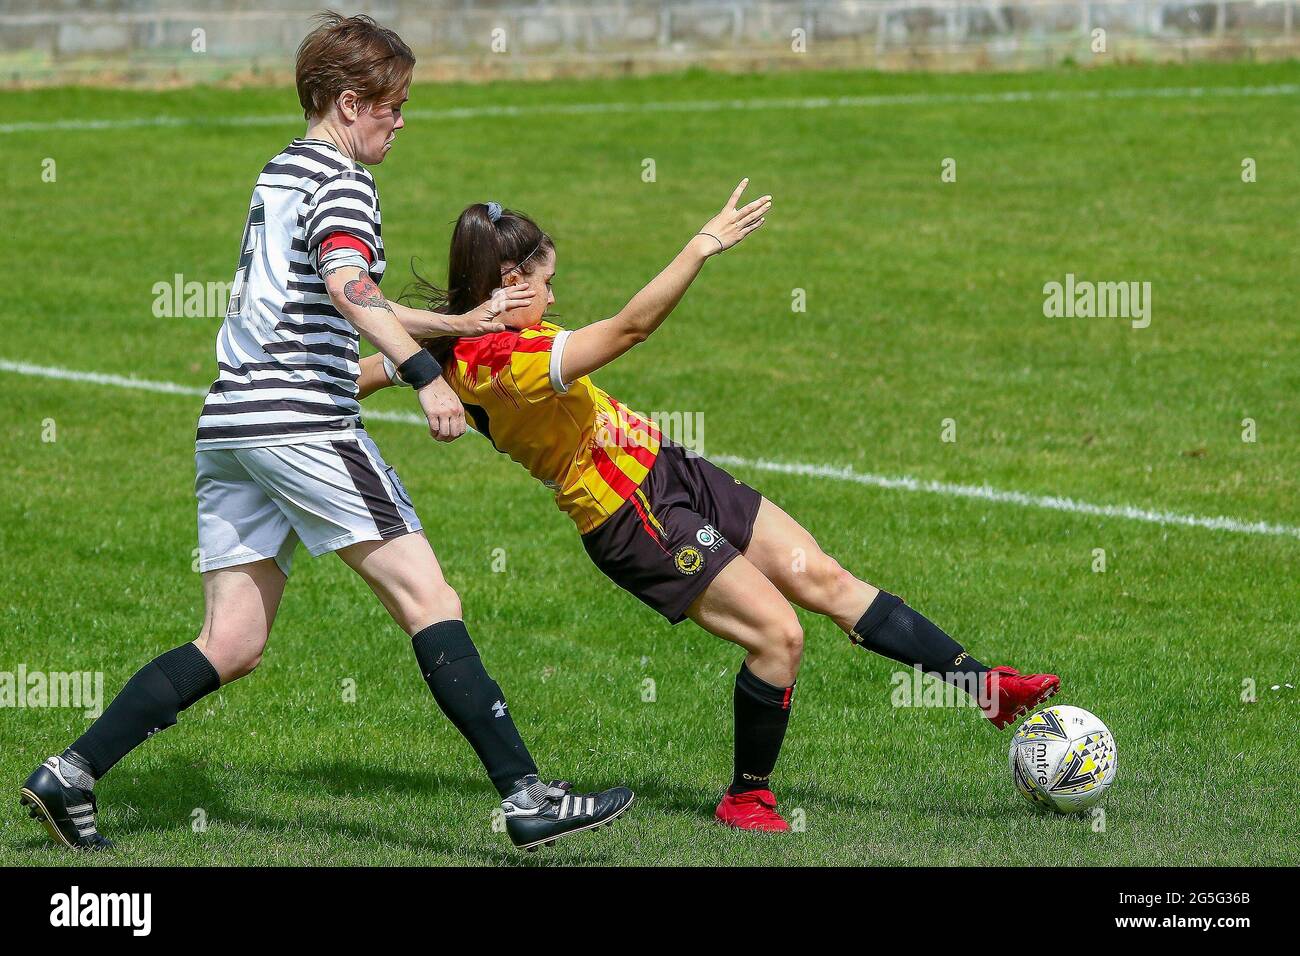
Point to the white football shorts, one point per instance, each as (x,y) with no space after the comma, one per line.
(257,503)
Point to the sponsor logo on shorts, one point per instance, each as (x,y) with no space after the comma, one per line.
(688,560)
(708,537)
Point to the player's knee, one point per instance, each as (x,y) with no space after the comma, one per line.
(234,654)
(441,603)
(831,582)
(448,602)
(242,666)
(787,638)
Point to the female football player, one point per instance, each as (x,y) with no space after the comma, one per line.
(282,455)
(664,524)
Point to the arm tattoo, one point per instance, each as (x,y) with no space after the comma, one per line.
(365,293)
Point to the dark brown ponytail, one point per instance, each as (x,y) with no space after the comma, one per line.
(481,250)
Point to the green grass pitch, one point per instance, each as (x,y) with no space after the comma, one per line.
(923,303)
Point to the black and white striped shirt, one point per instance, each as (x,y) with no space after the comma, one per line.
(287,360)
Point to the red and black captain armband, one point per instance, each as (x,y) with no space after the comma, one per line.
(339,241)
(419,370)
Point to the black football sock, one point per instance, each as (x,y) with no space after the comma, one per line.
(148,703)
(473,701)
(762,715)
(891,628)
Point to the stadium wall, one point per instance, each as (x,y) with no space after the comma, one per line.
(179,41)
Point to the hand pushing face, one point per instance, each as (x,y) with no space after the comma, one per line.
(538,282)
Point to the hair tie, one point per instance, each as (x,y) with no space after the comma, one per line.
(494,211)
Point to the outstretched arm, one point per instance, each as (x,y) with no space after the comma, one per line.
(424,324)
(598,344)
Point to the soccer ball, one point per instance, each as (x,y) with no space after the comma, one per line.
(1063,758)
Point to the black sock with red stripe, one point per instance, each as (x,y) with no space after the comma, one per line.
(762,715)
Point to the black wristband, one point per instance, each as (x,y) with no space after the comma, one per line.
(419,370)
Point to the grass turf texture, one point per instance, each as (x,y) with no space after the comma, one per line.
(924,302)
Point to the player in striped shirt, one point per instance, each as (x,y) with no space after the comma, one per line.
(282,456)
(664,524)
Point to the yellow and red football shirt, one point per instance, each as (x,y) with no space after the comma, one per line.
(581,442)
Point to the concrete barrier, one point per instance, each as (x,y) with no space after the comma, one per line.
(183,40)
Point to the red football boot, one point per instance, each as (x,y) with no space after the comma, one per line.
(1009,694)
(752,810)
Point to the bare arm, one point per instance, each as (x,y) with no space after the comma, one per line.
(359,300)
(424,324)
(372,377)
(598,344)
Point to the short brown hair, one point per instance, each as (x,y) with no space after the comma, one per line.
(351,53)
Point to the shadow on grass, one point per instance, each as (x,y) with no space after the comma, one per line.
(163,804)
(134,805)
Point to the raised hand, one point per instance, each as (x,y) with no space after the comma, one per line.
(732,225)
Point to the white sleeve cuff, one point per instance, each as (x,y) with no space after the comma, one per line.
(557,361)
(391,371)
(336,258)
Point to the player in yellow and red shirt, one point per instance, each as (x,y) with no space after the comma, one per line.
(665,524)
(578,440)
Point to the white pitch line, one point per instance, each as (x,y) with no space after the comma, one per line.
(686,106)
(99,378)
(987,493)
(828,472)
(167,388)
